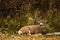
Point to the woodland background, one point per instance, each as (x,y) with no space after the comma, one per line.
(15,14)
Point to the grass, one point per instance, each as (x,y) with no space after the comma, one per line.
(28,37)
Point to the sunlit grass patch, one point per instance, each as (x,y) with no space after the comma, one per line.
(27,37)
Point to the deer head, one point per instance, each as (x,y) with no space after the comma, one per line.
(42,21)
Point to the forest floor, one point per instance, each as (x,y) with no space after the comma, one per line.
(27,37)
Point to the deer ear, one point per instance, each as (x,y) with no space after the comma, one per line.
(44,20)
(38,21)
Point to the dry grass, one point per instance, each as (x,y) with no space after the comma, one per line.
(31,37)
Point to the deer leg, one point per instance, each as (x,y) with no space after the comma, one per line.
(29,32)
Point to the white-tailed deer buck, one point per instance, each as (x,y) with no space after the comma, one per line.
(33,29)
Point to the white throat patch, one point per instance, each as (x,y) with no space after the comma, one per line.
(41,23)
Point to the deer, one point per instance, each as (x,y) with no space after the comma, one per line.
(33,29)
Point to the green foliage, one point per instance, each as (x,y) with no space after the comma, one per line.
(55,23)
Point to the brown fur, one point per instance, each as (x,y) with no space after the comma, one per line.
(33,29)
